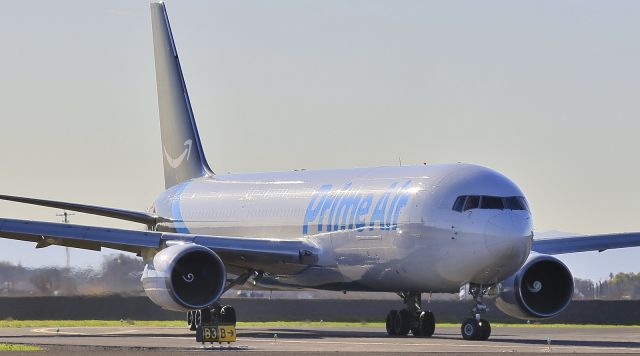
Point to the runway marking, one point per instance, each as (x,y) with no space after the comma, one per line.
(540,348)
(454,343)
(57,331)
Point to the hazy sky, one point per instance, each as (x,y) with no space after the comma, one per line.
(545,92)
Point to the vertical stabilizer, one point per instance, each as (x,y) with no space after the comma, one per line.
(182,152)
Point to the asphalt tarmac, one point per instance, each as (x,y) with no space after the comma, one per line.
(325,340)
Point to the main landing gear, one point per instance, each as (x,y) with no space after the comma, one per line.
(218,314)
(411,318)
(476,328)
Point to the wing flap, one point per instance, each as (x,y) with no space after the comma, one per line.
(569,244)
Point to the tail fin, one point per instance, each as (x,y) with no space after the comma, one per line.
(182,151)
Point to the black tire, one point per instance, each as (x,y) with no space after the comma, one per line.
(391,319)
(191,320)
(402,323)
(197,318)
(416,330)
(228,315)
(427,324)
(205,316)
(470,329)
(485,330)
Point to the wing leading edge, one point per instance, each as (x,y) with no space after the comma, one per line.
(269,255)
(569,244)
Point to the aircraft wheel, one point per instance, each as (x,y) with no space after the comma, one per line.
(415,328)
(191,320)
(391,318)
(197,318)
(401,324)
(205,316)
(470,329)
(427,324)
(485,330)
(228,314)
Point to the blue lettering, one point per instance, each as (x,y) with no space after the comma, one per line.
(341,195)
(328,203)
(312,212)
(346,211)
(379,211)
(363,210)
(402,202)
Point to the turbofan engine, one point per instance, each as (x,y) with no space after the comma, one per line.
(184,277)
(541,289)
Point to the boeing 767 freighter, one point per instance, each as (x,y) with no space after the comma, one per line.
(407,230)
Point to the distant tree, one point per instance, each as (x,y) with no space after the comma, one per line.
(584,288)
(46,280)
(121,274)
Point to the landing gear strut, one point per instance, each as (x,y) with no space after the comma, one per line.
(476,328)
(412,318)
(219,314)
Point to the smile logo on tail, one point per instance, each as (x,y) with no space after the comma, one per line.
(176,162)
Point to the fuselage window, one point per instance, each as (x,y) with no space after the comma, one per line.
(459,204)
(473,202)
(491,203)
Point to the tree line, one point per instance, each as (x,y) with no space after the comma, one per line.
(120,274)
(619,286)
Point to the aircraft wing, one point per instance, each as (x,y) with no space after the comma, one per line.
(569,244)
(239,253)
(121,214)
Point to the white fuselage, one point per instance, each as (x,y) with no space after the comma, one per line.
(378,229)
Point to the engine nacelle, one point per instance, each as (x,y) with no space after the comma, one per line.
(184,277)
(541,289)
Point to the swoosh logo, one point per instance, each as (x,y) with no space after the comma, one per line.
(176,162)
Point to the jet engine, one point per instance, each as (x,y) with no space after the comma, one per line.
(541,289)
(184,277)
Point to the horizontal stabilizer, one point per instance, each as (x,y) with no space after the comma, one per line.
(135,216)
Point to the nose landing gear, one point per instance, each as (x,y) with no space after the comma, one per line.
(476,328)
(411,318)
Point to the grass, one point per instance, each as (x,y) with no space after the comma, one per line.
(270,324)
(18,347)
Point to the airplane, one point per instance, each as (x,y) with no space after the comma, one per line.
(410,230)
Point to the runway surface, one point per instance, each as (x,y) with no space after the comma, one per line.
(327,340)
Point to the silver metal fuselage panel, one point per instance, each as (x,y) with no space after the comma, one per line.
(378,229)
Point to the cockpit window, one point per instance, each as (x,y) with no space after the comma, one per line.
(459,204)
(513,203)
(491,203)
(473,202)
(468,202)
(524,203)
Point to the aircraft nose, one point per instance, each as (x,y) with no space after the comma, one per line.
(508,235)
